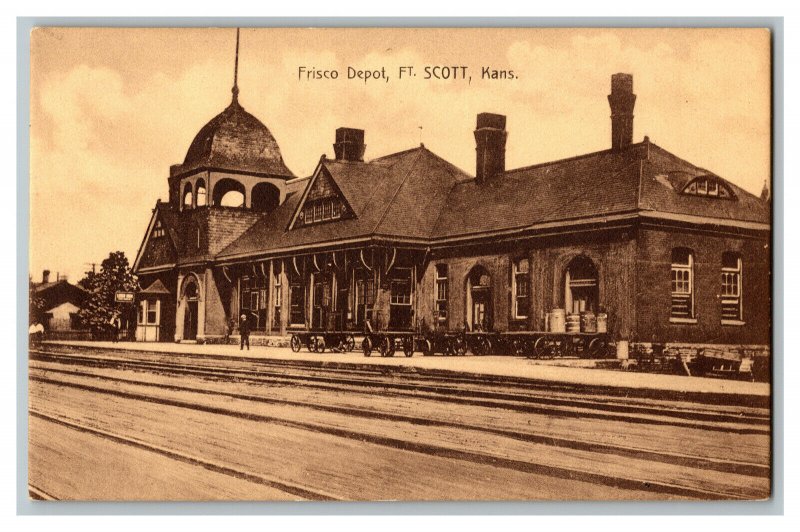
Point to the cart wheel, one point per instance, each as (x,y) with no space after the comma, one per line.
(541,348)
(597,348)
(408,346)
(366,346)
(350,343)
(385,347)
(427,347)
(295,344)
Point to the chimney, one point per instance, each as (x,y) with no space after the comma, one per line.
(622,99)
(46,276)
(349,144)
(490,146)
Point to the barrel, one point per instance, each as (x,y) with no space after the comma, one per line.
(588,322)
(573,323)
(602,322)
(622,349)
(557,320)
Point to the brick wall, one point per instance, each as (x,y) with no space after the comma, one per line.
(654,257)
(613,253)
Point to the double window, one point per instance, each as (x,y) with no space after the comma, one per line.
(682,284)
(520,282)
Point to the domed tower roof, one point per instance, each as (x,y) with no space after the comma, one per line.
(235,140)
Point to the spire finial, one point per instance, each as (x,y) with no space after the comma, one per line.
(235,89)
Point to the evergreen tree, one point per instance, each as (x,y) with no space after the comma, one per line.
(100,310)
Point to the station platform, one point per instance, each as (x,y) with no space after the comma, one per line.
(575,371)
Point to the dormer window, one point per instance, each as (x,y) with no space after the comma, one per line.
(710,187)
(320,210)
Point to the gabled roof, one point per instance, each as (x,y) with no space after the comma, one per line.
(170,222)
(399,195)
(419,197)
(155,288)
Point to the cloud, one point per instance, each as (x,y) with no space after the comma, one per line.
(112,110)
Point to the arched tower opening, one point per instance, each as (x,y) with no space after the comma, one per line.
(188,198)
(265,197)
(228,193)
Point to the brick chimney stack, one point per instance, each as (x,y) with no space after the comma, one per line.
(46,276)
(622,99)
(490,146)
(349,144)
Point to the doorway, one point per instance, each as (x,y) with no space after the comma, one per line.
(190,321)
(480,315)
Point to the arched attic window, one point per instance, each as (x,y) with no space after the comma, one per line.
(228,193)
(708,186)
(187,196)
(201,193)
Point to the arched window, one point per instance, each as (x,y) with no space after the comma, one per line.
(731,290)
(682,284)
(228,193)
(201,192)
(265,197)
(581,286)
(709,186)
(187,196)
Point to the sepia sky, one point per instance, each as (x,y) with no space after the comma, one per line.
(112,109)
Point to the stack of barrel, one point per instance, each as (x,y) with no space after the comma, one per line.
(586,322)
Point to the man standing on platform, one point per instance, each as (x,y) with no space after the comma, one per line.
(244,331)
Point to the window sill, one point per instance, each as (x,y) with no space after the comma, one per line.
(683,320)
(738,323)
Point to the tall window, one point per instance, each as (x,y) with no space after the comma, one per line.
(682,284)
(277,297)
(731,294)
(365,295)
(297,299)
(401,286)
(521,288)
(441,295)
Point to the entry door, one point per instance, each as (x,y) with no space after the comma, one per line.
(481,310)
(190,321)
(320,301)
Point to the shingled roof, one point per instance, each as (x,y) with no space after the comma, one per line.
(399,195)
(416,195)
(235,140)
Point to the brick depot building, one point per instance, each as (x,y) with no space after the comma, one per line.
(670,251)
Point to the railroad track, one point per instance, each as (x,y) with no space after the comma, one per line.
(444,388)
(298,490)
(89,377)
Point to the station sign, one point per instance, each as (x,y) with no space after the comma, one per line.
(123,297)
